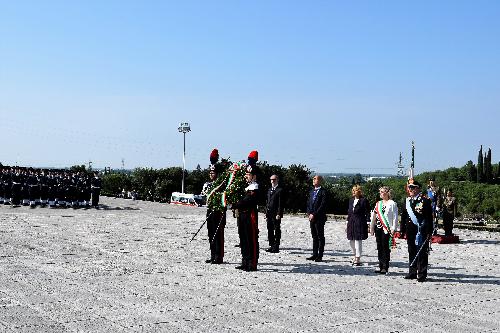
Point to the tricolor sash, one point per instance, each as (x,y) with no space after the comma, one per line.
(413,218)
(385,223)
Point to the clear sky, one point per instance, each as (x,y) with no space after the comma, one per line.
(340,86)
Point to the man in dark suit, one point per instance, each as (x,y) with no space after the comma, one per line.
(274,213)
(316,210)
(417,225)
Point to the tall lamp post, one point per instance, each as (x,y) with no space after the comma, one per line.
(184,128)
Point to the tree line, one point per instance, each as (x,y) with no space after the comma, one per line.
(480,199)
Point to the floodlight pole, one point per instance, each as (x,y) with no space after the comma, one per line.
(184,128)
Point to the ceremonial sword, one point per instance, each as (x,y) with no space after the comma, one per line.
(200,227)
(216,230)
(421,247)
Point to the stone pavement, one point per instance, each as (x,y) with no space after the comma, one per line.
(129,267)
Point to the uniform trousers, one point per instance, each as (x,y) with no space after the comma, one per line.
(248,231)
(419,267)
(383,248)
(318,236)
(273,231)
(216,219)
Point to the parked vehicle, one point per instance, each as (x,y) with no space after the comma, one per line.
(186,199)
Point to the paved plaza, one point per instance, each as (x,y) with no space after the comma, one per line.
(130,267)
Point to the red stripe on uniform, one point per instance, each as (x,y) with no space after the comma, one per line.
(253,227)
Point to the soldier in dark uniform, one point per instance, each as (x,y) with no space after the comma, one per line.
(274,213)
(7,186)
(216,222)
(61,190)
(52,189)
(417,225)
(449,213)
(44,188)
(247,215)
(87,192)
(24,175)
(434,195)
(33,188)
(316,211)
(3,173)
(96,189)
(15,193)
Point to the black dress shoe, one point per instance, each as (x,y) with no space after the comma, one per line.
(275,251)
(208,261)
(422,279)
(217,261)
(410,276)
(318,259)
(250,269)
(240,267)
(269,249)
(311,258)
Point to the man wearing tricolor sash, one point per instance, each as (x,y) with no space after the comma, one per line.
(417,224)
(384,223)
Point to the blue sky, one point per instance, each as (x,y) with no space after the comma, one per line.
(340,86)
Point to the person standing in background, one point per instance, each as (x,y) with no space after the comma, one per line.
(358,215)
(274,213)
(316,213)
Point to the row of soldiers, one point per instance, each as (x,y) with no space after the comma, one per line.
(53,188)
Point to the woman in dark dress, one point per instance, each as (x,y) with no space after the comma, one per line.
(358,215)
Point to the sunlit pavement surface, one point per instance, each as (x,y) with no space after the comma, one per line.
(130,267)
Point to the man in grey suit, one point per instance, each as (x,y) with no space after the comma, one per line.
(274,213)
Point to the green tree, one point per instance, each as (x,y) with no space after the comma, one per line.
(195,180)
(470,171)
(78,168)
(113,183)
(480,171)
(371,192)
(488,175)
(298,183)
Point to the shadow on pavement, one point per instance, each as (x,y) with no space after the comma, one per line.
(105,207)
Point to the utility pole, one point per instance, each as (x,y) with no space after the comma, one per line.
(184,128)
(401,171)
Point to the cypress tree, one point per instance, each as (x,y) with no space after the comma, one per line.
(497,180)
(480,165)
(488,175)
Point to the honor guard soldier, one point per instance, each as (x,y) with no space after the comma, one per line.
(44,188)
(15,192)
(33,188)
(417,225)
(216,219)
(247,216)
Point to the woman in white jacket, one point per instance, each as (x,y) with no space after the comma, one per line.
(384,223)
